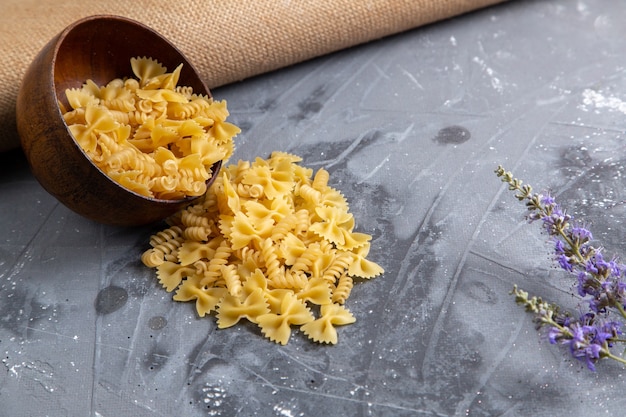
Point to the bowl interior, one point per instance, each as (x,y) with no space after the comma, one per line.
(100,49)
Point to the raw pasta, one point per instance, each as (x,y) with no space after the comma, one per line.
(269,243)
(150,135)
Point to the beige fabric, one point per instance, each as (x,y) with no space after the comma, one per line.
(227,40)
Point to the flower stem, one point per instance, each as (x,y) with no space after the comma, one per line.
(608,354)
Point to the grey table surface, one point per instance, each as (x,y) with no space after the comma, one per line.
(411,128)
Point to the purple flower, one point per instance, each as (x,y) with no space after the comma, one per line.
(565,262)
(547,200)
(556,221)
(600,282)
(585,284)
(598,266)
(587,338)
(581,234)
(559,248)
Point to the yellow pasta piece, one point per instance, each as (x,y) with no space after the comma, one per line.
(254,281)
(232,198)
(274,183)
(339,265)
(284,227)
(322,330)
(320,181)
(291,248)
(78,98)
(206,298)
(223,131)
(217,111)
(231,309)
(244,231)
(207,277)
(303,222)
(160,95)
(353,240)
(152,258)
(72,117)
(275,298)
(334,222)
(310,195)
(277,327)
(334,198)
(194,218)
(98,120)
(362,267)
(343,288)
(220,258)
(285,278)
(171,274)
(168,81)
(308,257)
(279,157)
(197,233)
(232,280)
(248,257)
(165,245)
(168,235)
(209,148)
(186,109)
(316,291)
(133,180)
(323,262)
(146,68)
(273,210)
(192,251)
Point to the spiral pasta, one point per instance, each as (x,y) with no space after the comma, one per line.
(165,246)
(339,264)
(320,181)
(232,279)
(269,243)
(343,288)
(219,259)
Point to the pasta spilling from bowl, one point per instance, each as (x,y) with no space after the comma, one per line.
(271,243)
(149,134)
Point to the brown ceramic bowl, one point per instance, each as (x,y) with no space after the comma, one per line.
(97,48)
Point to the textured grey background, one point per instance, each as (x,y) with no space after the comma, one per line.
(411,128)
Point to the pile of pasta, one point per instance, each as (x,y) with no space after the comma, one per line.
(150,135)
(270,243)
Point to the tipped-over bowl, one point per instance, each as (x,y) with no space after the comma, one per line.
(97,48)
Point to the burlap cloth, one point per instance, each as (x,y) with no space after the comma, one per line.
(227,40)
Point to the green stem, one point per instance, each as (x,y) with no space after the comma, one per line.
(571,244)
(621,310)
(609,355)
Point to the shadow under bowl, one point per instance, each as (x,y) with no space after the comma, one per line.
(97,48)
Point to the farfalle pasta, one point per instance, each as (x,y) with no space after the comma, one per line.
(149,134)
(270,243)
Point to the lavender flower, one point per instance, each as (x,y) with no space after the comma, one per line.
(588,338)
(598,281)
